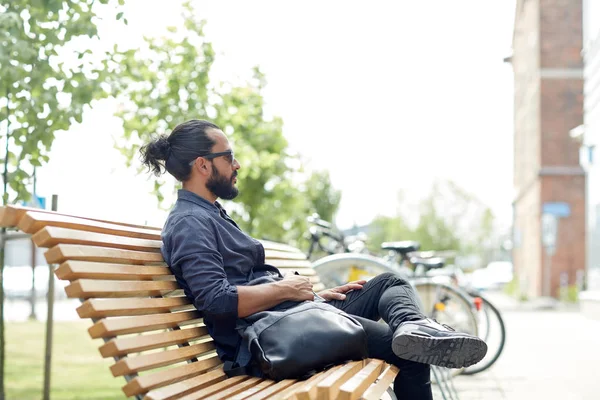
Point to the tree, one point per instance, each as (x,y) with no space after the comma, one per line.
(267,190)
(165,83)
(489,242)
(386,229)
(436,230)
(449,218)
(168,82)
(323,198)
(45,86)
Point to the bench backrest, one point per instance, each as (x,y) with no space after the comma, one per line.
(152,330)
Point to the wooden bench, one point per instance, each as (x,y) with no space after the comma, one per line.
(152,330)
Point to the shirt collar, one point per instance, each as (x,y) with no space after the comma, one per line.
(192,197)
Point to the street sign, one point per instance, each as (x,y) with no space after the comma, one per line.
(559,209)
(549,233)
(35,202)
(549,230)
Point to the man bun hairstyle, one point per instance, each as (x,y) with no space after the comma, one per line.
(188,141)
(154,152)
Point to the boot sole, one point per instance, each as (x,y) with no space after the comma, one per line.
(447,352)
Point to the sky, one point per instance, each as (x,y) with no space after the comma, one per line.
(388,96)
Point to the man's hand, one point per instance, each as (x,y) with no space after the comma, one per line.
(297,288)
(338,293)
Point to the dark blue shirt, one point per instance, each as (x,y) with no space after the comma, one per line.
(209,256)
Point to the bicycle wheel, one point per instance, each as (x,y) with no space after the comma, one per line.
(447,305)
(494,334)
(339,269)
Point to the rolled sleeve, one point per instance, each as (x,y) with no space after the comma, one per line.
(195,254)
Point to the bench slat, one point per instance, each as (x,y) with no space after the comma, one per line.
(293,389)
(120,326)
(268,245)
(253,390)
(127,345)
(273,390)
(72,270)
(318,287)
(383,383)
(282,255)
(328,388)
(10,215)
(216,388)
(63,252)
(181,379)
(357,385)
(144,362)
(33,221)
(232,391)
(52,235)
(100,308)
(309,389)
(86,288)
(288,263)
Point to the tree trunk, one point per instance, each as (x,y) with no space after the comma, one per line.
(2,244)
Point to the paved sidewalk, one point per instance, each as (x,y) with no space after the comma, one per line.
(549,354)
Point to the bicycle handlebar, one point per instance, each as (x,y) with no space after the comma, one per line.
(315,220)
(320,229)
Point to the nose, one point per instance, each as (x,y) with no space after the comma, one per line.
(236,164)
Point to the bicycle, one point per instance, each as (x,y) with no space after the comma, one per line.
(440,297)
(338,242)
(344,252)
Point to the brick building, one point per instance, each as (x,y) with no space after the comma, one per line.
(548,104)
(588,135)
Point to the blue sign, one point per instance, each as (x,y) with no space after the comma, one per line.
(559,209)
(35,202)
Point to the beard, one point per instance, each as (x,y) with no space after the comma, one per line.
(221,186)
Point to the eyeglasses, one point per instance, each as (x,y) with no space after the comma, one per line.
(227,154)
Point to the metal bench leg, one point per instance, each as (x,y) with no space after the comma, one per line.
(391,393)
(117,358)
(449,383)
(436,375)
(452,387)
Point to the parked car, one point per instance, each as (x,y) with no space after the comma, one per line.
(494,276)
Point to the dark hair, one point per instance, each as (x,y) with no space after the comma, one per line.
(175,152)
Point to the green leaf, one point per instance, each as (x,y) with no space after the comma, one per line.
(35,82)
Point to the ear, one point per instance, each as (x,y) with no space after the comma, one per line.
(202,166)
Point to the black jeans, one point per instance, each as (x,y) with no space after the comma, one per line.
(392,299)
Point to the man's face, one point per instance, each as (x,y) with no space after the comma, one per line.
(223,169)
(221,185)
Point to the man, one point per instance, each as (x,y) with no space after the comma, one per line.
(215,263)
